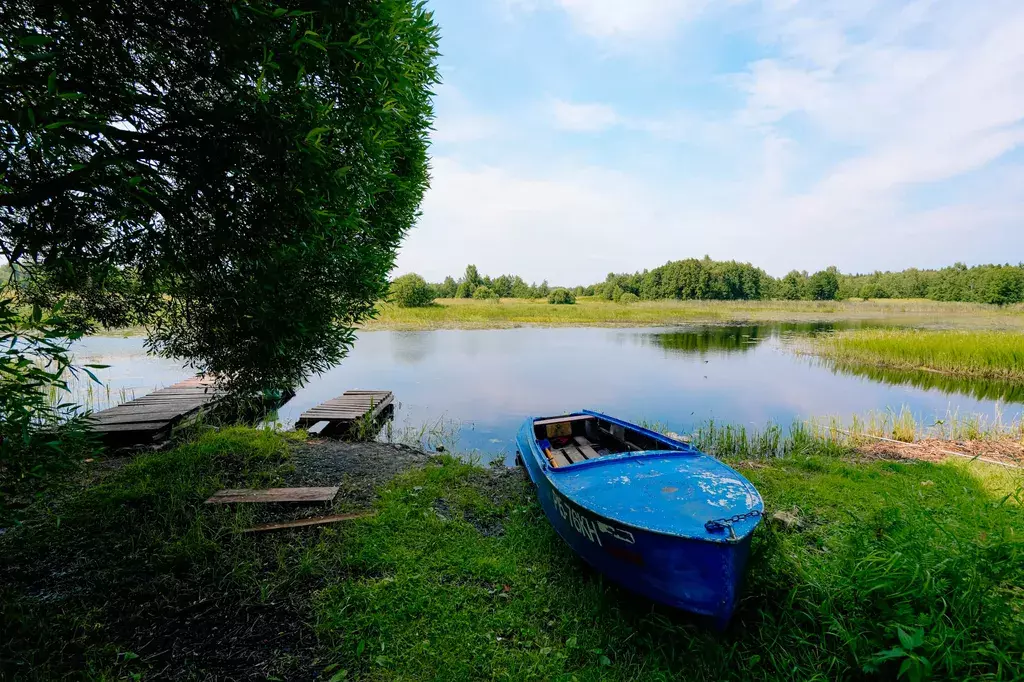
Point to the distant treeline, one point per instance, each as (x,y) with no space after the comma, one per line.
(706,279)
(473,284)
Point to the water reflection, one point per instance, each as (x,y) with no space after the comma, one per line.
(733,338)
(488,381)
(982,389)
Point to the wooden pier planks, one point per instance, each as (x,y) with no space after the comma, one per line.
(152,416)
(351,407)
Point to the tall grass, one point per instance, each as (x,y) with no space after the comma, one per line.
(986,354)
(89,395)
(904,426)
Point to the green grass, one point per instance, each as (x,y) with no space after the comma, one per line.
(594,312)
(911,567)
(588,311)
(985,354)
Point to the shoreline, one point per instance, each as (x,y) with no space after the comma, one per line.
(469,314)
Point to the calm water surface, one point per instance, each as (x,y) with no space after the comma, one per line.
(487,382)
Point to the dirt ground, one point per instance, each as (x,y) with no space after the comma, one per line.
(1006,452)
(188,627)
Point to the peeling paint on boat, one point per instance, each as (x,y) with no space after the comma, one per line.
(640,517)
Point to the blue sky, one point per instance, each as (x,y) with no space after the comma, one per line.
(578,137)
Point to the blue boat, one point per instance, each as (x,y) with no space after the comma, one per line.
(654,514)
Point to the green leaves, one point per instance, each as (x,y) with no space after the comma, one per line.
(40,432)
(911,642)
(913,667)
(252,218)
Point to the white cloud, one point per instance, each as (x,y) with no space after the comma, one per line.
(583,117)
(631,18)
(852,106)
(620,19)
(457,121)
(574,224)
(929,91)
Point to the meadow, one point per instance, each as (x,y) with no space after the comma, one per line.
(981,354)
(591,311)
(894,568)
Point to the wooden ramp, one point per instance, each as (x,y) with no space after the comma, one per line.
(152,416)
(340,415)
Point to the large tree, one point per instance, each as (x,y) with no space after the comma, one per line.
(236,175)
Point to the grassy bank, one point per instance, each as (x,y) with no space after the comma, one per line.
(984,354)
(474,314)
(912,567)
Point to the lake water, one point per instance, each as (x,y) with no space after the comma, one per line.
(484,383)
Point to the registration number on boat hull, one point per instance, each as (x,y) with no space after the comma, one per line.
(590,528)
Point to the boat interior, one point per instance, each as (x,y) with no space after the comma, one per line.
(579,437)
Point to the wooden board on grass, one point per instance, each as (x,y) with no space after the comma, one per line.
(302,495)
(313,521)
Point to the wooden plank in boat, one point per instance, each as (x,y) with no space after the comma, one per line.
(573,453)
(586,448)
(559,460)
(558,420)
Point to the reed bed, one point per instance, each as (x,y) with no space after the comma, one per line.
(986,354)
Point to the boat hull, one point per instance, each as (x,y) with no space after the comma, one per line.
(693,575)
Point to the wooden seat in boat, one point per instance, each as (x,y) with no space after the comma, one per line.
(572,439)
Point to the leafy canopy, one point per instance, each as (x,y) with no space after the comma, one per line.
(561,297)
(411,291)
(237,175)
(484,293)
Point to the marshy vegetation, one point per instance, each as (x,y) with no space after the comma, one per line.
(469,313)
(885,566)
(984,354)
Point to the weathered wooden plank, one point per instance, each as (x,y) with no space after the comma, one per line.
(559,460)
(158,402)
(317,428)
(340,414)
(274,495)
(142,427)
(351,406)
(586,447)
(339,411)
(314,521)
(172,399)
(573,453)
(558,420)
(153,415)
(132,418)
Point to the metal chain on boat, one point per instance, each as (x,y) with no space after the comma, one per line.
(715,525)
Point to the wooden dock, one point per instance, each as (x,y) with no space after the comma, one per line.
(151,417)
(340,415)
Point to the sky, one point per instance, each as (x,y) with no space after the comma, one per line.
(574,138)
